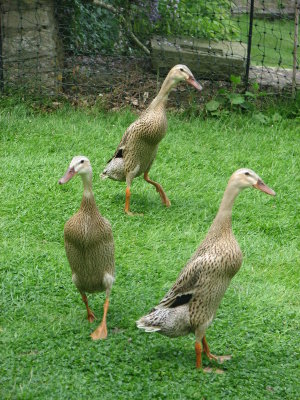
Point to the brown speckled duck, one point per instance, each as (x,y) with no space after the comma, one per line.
(89,244)
(137,150)
(192,302)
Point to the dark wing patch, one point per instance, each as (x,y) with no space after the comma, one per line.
(180,300)
(119,153)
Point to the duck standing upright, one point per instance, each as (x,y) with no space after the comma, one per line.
(89,244)
(138,147)
(192,302)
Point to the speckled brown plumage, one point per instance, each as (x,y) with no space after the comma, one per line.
(192,302)
(138,147)
(89,244)
(207,275)
(89,247)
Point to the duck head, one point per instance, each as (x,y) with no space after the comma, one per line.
(79,165)
(181,73)
(245,177)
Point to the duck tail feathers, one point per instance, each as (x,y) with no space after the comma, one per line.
(103,175)
(147,324)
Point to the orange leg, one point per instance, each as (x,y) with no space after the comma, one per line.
(127,200)
(206,351)
(90,314)
(198,351)
(159,189)
(101,331)
(127,203)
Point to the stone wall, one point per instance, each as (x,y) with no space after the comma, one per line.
(266,8)
(207,59)
(32,56)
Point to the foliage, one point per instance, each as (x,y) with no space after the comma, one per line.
(234,98)
(201,19)
(89,29)
(46,351)
(85,28)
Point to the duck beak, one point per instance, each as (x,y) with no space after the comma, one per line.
(192,81)
(68,175)
(260,185)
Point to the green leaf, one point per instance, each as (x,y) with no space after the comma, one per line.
(248,106)
(212,105)
(221,100)
(235,79)
(237,99)
(250,94)
(216,113)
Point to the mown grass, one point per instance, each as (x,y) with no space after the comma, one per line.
(46,351)
(272,41)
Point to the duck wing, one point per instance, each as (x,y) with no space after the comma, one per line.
(130,133)
(185,286)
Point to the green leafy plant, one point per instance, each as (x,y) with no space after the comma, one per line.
(234,98)
(201,19)
(86,29)
(233,101)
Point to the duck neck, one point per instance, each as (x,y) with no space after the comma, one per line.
(222,220)
(162,96)
(88,195)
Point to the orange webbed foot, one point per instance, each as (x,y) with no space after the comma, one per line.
(209,370)
(210,356)
(100,332)
(131,214)
(222,359)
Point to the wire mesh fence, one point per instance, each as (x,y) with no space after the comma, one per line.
(118,52)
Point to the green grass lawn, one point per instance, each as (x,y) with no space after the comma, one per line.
(46,351)
(272,41)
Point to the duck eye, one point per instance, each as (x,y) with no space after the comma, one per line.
(181,69)
(247,173)
(82,161)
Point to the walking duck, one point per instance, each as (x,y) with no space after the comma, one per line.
(138,147)
(192,302)
(89,244)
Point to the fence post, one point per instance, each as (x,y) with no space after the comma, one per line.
(294,83)
(249,44)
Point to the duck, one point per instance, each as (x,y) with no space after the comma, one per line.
(89,244)
(138,147)
(191,304)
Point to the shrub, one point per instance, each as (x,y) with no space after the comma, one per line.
(200,19)
(86,28)
(89,29)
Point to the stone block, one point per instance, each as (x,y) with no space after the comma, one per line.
(41,74)
(207,60)
(32,52)
(17,46)
(21,5)
(27,19)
